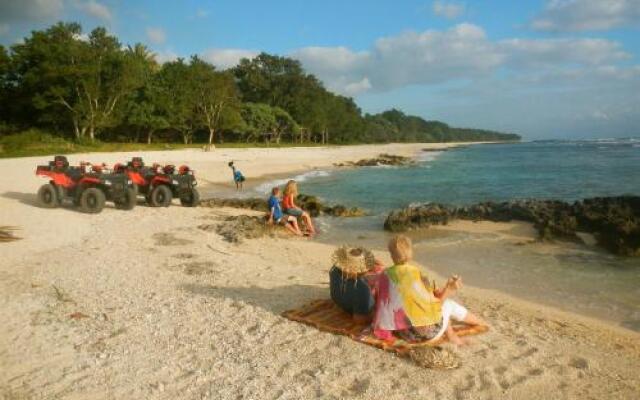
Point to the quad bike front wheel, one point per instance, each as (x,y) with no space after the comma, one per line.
(160,196)
(48,196)
(92,200)
(128,201)
(191,199)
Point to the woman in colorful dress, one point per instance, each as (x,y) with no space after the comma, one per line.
(410,306)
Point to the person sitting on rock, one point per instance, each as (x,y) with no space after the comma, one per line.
(238,178)
(352,279)
(290,208)
(278,217)
(410,306)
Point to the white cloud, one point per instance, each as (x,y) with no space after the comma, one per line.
(555,52)
(587,15)
(227,58)
(95,9)
(156,35)
(409,58)
(341,69)
(447,9)
(164,56)
(83,37)
(355,88)
(433,57)
(30,10)
(462,52)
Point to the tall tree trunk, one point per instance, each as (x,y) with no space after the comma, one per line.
(76,128)
(211,133)
(149,134)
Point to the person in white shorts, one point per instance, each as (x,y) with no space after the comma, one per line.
(408,305)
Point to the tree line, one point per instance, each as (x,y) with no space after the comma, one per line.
(92,87)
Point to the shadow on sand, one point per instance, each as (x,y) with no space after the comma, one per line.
(275,300)
(30,199)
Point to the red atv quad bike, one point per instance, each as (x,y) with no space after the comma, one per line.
(160,185)
(89,187)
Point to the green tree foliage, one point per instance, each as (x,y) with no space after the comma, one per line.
(284,125)
(176,97)
(141,111)
(84,79)
(63,82)
(282,82)
(216,97)
(394,125)
(259,120)
(4,84)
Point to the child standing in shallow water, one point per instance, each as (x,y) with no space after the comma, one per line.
(411,306)
(238,178)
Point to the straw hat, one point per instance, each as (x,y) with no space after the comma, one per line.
(353,260)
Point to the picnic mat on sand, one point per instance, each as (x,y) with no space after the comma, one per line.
(326,316)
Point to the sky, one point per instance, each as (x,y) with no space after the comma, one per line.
(546,69)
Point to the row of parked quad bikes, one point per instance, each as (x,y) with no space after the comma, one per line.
(90,186)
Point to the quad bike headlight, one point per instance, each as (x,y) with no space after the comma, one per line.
(108,183)
(174,182)
(129,182)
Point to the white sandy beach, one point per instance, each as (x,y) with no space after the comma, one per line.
(148,303)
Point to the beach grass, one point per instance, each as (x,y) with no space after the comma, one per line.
(38,143)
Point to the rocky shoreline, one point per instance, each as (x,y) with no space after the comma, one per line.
(614,222)
(311,204)
(382,159)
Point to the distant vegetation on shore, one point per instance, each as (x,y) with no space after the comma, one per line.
(76,90)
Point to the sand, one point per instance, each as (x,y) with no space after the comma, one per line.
(144,304)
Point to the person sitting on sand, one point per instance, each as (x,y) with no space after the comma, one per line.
(238,178)
(289,205)
(276,215)
(409,305)
(352,279)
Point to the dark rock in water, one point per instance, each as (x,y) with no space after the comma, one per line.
(315,208)
(614,221)
(342,211)
(426,149)
(382,159)
(311,204)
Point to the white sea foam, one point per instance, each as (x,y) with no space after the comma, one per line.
(428,156)
(266,187)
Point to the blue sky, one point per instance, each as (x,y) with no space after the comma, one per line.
(543,68)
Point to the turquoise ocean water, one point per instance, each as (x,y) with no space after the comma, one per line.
(568,170)
(576,278)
